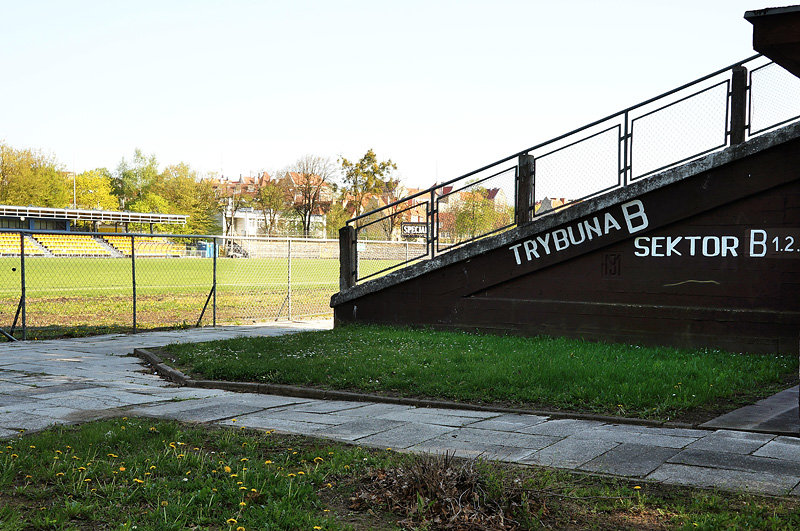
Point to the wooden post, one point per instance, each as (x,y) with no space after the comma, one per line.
(738,104)
(524,189)
(347,257)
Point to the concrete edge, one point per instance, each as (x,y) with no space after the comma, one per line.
(294,391)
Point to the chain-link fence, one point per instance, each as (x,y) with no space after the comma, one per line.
(70,283)
(721,109)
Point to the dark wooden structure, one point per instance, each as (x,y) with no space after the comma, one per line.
(703,255)
(776,34)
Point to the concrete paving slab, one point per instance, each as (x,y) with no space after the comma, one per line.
(562,427)
(353,430)
(281,425)
(509,422)
(22,420)
(734,442)
(611,432)
(787,448)
(777,413)
(327,406)
(473,450)
(442,417)
(725,479)
(732,461)
(405,436)
(569,453)
(299,416)
(633,460)
(7,434)
(375,410)
(502,438)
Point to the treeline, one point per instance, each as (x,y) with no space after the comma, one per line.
(32,178)
(288,202)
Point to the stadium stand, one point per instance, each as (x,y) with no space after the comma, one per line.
(9,246)
(71,245)
(145,246)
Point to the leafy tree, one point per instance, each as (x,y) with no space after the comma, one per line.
(335,219)
(474,214)
(28,177)
(133,180)
(271,200)
(365,177)
(93,189)
(308,182)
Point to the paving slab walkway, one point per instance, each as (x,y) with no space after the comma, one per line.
(43,383)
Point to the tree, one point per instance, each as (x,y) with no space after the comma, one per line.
(271,200)
(93,189)
(365,177)
(335,219)
(474,214)
(133,180)
(29,177)
(308,182)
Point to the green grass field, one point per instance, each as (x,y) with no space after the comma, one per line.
(659,383)
(92,295)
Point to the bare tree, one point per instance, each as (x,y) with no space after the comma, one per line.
(309,184)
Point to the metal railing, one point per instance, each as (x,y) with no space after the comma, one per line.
(56,283)
(721,109)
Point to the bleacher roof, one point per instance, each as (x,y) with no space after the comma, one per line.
(106,216)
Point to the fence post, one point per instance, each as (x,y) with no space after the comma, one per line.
(525,179)
(133,278)
(23,295)
(289,280)
(433,216)
(214,282)
(347,257)
(738,104)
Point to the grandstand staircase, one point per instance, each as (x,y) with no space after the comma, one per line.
(703,254)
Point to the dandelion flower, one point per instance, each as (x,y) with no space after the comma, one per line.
(267,462)
(164,503)
(122,469)
(137,480)
(227,469)
(231,521)
(242,504)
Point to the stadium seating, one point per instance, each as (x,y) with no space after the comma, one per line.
(72,245)
(145,246)
(9,246)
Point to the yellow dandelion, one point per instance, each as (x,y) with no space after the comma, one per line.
(87,480)
(164,503)
(242,504)
(301,473)
(152,467)
(14,455)
(317,527)
(240,482)
(231,521)
(227,469)
(81,468)
(243,459)
(59,452)
(254,490)
(637,487)
(181,456)
(242,488)
(32,446)
(234,475)
(318,459)
(112,455)
(59,474)
(240,528)
(122,469)
(137,480)
(147,474)
(290,475)
(233,420)
(267,462)
(28,477)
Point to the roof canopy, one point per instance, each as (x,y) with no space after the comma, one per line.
(107,216)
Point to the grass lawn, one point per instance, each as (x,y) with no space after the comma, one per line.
(539,373)
(153,475)
(78,296)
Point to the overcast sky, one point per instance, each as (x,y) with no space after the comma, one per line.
(440,87)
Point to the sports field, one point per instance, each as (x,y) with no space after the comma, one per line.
(86,295)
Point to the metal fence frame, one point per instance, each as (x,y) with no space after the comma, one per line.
(737,80)
(223,247)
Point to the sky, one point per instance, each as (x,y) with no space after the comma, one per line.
(440,87)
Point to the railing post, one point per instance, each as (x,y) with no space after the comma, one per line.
(738,105)
(433,212)
(23,295)
(347,257)
(215,249)
(525,180)
(289,279)
(133,279)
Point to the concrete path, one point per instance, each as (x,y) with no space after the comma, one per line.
(76,380)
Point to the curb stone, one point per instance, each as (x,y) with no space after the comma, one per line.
(178,377)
